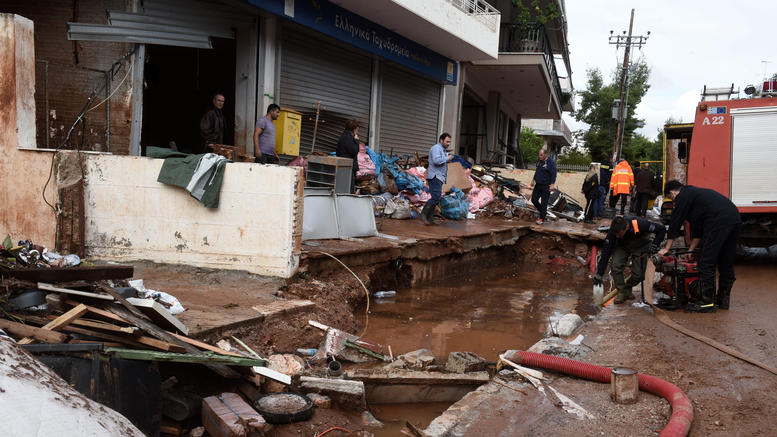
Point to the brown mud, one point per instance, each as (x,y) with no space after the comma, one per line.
(730,397)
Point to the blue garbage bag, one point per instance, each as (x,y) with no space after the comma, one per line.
(463,161)
(455,205)
(375,160)
(409,181)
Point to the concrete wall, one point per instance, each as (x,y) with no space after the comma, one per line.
(23,174)
(257,226)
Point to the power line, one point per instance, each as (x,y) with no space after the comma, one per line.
(627,41)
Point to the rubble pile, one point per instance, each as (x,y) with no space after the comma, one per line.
(399,190)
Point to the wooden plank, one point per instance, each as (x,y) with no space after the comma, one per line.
(122,301)
(136,341)
(70,274)
(158,314)
(126,339)
(104,343)
(48,287)
(205,346)
(283,307)
(132,330)
(100,312)
(134,354)
(60,321)
(40,334)
(161,334)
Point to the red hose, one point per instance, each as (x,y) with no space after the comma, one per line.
(682,409)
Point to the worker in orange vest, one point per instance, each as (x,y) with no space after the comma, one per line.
(621,183)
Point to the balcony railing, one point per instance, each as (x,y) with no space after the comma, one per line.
(482,11)
(530,39)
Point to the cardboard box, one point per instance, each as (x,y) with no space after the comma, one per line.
(456,177)
(228,415)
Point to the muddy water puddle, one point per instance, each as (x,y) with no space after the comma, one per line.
(503,309)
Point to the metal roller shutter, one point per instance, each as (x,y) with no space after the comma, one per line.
(314,68)
(409,114)
(754,148)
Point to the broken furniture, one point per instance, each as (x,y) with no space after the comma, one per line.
(330,172)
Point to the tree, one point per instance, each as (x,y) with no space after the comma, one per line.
(640,148)
(596,110)
(530,144)
(574,156)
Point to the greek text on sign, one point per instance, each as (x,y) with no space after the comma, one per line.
(715,110)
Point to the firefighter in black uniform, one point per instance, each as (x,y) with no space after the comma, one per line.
(715,223)
(633,237)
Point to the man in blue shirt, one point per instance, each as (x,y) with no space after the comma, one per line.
(435,176)
(543,182)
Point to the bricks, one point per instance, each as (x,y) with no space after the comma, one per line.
(69,83)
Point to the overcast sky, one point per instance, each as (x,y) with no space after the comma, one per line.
(692,43)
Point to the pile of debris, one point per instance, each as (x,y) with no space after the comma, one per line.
(399,189)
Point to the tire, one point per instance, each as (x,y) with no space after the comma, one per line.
(301,407)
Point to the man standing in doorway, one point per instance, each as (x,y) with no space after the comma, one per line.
(435,175)
(212,123)
(543,183)
(715,223)
(264,136)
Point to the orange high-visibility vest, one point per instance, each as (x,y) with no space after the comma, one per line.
(635,225)
(622,179)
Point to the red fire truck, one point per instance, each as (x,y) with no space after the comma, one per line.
(732,148)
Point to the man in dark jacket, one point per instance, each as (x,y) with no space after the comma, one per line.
(543,183)
(212,123)
(628,237)
(348,147)
(643,182)
(715,223)
(605,170)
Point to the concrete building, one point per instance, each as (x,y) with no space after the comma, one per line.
(407,70)
(115,76)
(555,133)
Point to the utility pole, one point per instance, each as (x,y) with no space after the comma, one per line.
(626,41)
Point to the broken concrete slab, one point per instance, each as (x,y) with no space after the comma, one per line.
(417,359)
(343,393)
(390,386)
(566,325)
(558,347)
(463,362)
(283,307)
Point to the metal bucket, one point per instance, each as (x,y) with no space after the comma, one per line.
(624,385)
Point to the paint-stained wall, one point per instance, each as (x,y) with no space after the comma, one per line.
(66,72)
(129,216)
(23,174)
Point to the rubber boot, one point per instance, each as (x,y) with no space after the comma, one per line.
(707,302)
(724,294)
(425,214)
(430,214)
(624,296)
